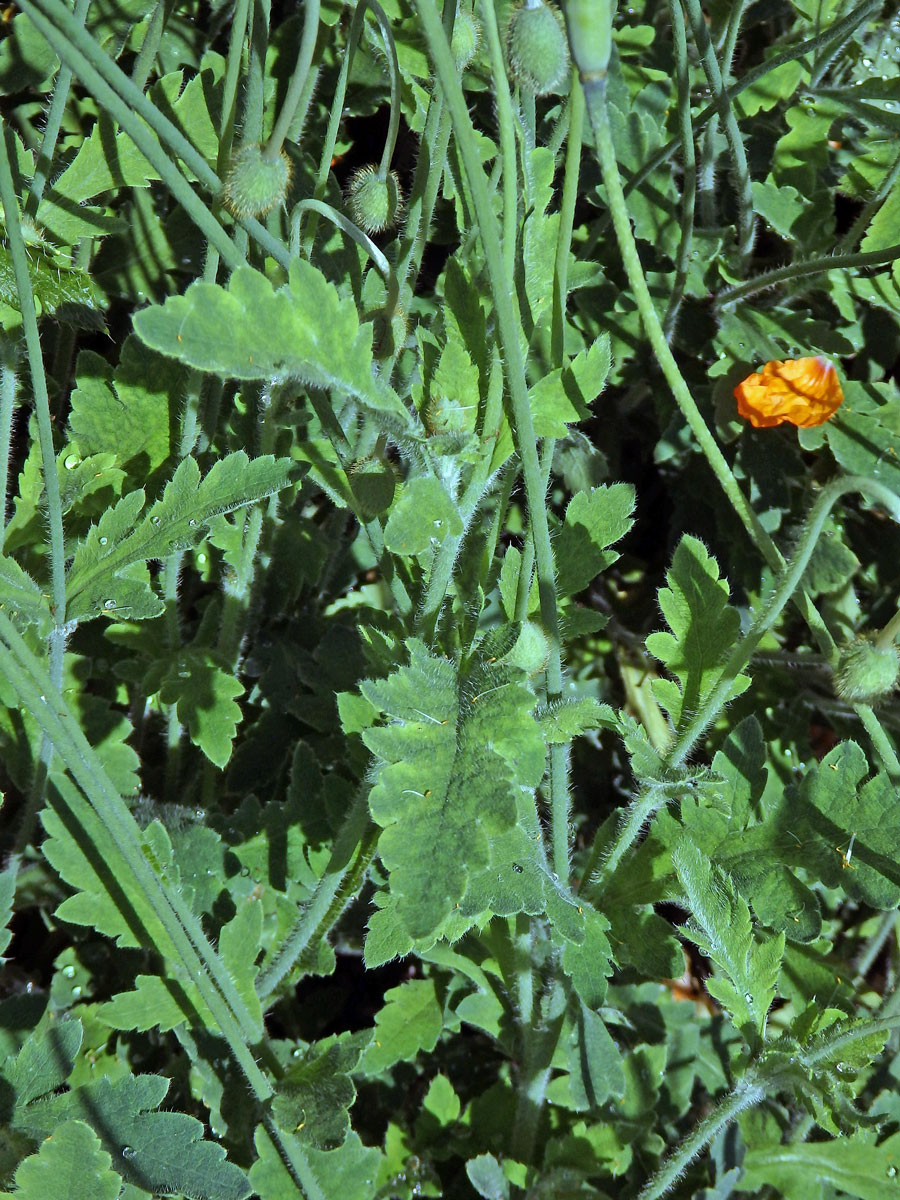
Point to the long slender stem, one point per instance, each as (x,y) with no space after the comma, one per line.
(352,832)
(595,95)
(567,204)
(844,27)
(688,166)
(68,49)
(52,125)
(509,327)
(143,64)
(56,641)
(801,270)
(506,130)
(747,1094)
(8,381)
(729,121)
(311,10)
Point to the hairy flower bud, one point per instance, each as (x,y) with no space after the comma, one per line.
(375,203)
(466,36)
(256,184)
(538,52)
(866,672)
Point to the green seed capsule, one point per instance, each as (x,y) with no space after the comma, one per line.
(536,44)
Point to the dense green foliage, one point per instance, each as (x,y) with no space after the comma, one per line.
(445,751)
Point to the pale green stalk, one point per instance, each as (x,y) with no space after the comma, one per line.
(688,166)
(297,85)
(146,57)
(567,204)
(53,124)
(506,131)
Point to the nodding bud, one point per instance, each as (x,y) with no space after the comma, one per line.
(866,672)
(537,48)
(256,184)
(375,202)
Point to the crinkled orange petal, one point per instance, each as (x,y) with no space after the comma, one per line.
(803,391)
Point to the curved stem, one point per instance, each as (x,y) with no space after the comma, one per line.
(390,140)
(342,222)
(595,95)
(709,708)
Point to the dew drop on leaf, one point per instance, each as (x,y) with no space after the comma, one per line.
(71,461)
(109,604)
(103,541)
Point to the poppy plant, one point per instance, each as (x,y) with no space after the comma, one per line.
(802,391)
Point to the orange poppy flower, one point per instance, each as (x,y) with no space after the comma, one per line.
(803,391)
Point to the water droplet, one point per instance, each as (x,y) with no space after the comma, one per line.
(201,558)
(43,699)
(103,541)
(128,1152)
(76,990)
(71,461)
(109,604)
(892,1172)
(867,62)
(748,996)
(69,971)
(154,520)
(192,522)
(842,1068)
